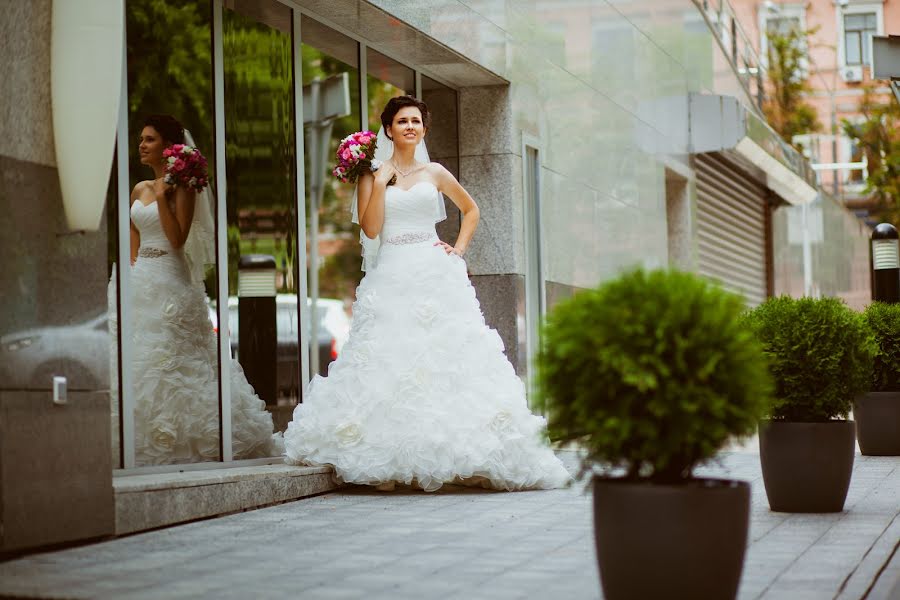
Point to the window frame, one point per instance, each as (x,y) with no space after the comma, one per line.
(783,11)
(860,8)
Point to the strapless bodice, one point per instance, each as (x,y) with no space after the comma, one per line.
(146,219)
(409,212)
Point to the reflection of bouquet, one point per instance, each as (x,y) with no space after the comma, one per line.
(185,166)
(356,155)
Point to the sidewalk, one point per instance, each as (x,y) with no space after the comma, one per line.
(462,543)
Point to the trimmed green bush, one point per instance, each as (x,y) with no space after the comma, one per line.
(820,354)
(884,321)
(652,372)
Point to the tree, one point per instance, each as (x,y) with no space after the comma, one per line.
(879,139)
(784,107)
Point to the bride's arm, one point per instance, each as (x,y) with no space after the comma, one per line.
(450,187)
(175,223)
(135,234)
(370,196)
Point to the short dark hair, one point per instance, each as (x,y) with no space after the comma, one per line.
(395,104)
(167,126)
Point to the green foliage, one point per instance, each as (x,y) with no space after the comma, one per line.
(878,137)
(169,70)
(653,371)
(884,321)
(785,108)
(820,355)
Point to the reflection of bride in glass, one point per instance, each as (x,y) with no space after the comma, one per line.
(174,348)
(422,393)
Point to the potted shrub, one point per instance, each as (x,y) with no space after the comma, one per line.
(820,356)
(651,374)
(877,413)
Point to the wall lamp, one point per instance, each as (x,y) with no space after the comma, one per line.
(87,43)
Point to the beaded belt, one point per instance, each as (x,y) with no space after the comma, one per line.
(151,253)
(410,238)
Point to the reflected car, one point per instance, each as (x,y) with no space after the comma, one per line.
(29,358)
(332,332)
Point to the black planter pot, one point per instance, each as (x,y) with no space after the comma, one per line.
(671,541)
(877,416)
(807,466)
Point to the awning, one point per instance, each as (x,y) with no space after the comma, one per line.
(718,123)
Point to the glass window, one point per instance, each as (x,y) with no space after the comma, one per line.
(174,370)
(782,25)
(442,141)
(858,32)
(260,161)
(386,79)
(330,60)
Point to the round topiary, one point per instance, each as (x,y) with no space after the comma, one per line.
(653,372)
(820,355)
(884,321)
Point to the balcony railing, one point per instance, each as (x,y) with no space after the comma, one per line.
(738,46)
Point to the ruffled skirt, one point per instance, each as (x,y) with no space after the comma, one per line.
(422,393)
(175,374)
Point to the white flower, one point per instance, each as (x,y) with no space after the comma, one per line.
(169,361)
(364,308)
(361,354)
(170,309)
(412,383)
(187,150)
(171,160)
(501,421)
(426,312)
(162,435)
(348,434)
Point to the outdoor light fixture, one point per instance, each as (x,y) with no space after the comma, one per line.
(86,77)
(885,263)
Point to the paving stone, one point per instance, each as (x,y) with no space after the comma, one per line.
(464,543)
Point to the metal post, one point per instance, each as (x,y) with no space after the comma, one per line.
(885,264)
(315,187)
(257,316)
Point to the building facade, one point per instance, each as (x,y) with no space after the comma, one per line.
(594,137)
(838,71)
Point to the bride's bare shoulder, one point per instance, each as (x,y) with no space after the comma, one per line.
(439,173)
(139,189)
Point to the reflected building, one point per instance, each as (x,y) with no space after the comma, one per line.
(593,138)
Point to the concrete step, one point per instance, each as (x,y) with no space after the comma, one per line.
(149,501)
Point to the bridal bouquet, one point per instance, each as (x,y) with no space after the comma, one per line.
(185,166)
(356,155)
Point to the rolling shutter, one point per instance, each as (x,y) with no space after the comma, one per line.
(731,227)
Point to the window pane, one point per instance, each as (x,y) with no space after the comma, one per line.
(334,261)
(867,45)
(175,388)
(871,21)
(783,25)
(387,79)
(854,22)
(262,219)
(442,141)
(852,39)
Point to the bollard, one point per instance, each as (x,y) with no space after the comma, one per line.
(257,333)
(885,263)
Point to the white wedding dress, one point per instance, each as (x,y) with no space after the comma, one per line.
(422,392)
(174,367)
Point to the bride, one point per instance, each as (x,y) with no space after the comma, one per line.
(422,393)
(174,369)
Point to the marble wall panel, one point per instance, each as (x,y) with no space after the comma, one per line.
(55,469)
